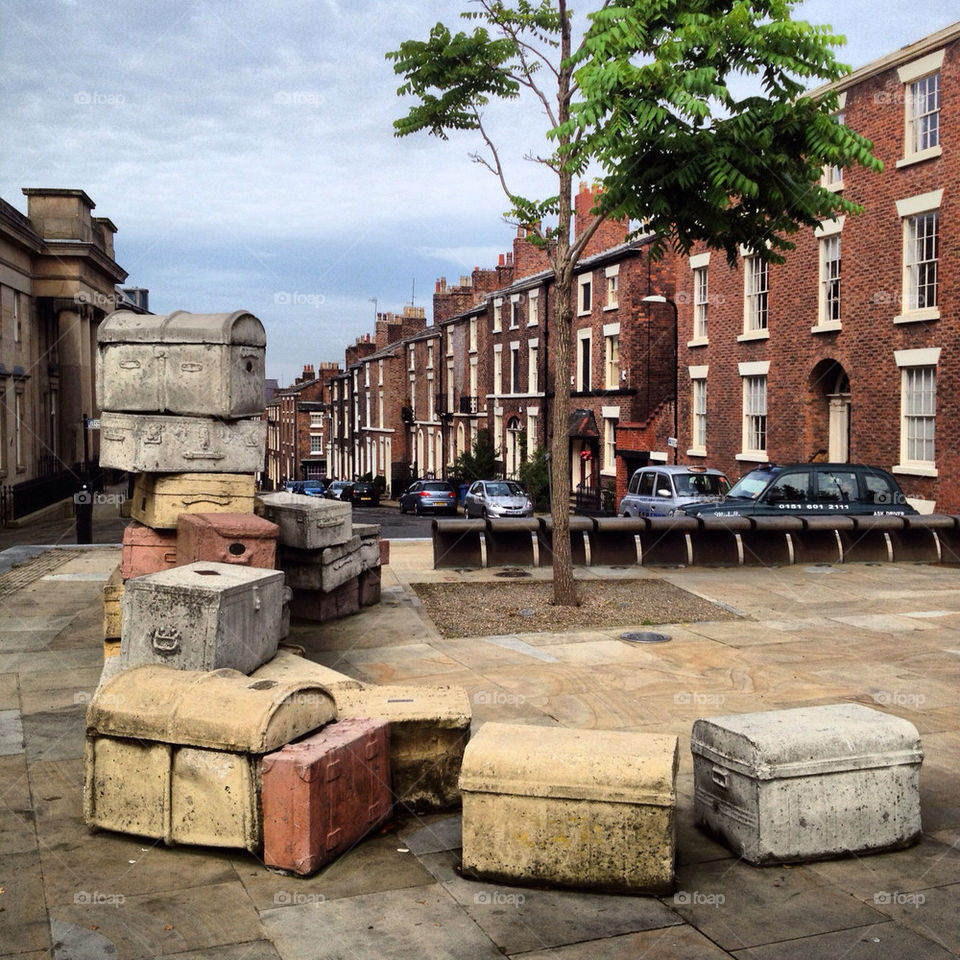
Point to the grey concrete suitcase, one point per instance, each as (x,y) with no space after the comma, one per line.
(369,534)
(150,443)
(203,364)
(324,569)
(203,616)
(307,523)
(808,783)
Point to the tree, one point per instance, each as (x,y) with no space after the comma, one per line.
(645,97)
(480,461)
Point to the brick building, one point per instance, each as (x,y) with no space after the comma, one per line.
(848,350)
(58,280)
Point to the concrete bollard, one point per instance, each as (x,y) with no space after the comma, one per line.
(459,543)
(669,541)
(581,541)
(513,542)
(618,540)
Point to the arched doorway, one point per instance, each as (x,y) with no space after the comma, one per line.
(461,439)
(513,446)
(828,436)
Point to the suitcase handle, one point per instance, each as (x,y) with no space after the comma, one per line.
(257,602)
(719,777)
(166,641)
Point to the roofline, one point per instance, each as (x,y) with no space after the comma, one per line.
(912,51)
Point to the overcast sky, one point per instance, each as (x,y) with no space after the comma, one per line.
(245,151)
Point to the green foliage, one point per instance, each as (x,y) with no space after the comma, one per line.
(534,474)
(480,461)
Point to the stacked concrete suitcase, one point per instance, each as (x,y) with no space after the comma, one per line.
(331,565)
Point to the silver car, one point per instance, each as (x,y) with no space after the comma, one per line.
(659,491)
(497,498)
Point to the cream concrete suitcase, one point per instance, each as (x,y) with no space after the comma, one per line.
(203,616)
(160,498)
(112,614)
(307,523)
(146,442)
(289,666)
(176,754)
(578,808)
(191,364)
(808,783)
(429,729)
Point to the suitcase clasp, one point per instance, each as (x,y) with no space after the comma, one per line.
(257,602)
(166,641)
(129,364)
(719,777)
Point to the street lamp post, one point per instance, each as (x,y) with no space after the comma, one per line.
(658,298)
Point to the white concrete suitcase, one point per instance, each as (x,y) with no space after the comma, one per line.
(150,443)
(204,364)
(203,616)
(808,783)
(307,523)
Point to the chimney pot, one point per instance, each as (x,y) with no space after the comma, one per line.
(501,259)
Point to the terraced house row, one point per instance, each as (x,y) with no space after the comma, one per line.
(847,351)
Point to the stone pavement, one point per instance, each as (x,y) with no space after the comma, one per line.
(881,635)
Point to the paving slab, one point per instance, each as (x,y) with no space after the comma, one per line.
(23,914)
(667,943)
(423,922)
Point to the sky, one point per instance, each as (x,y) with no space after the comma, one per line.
(245,150)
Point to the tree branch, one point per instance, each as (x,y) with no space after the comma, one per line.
(497,168)
(578,245)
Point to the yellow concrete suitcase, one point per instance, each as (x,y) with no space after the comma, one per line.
(159,498)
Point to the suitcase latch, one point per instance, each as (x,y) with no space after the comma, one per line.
(720,777)
(166,641)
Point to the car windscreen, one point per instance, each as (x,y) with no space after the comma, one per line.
(504,490)
(751,485)
(441,487)
(700,484)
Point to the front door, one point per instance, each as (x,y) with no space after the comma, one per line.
(839,430)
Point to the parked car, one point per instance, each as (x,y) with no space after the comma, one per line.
(293,486)
(436,495)
(313,488)
(338,490)
(364,493)
(497,498)
(660,491)
(820,489)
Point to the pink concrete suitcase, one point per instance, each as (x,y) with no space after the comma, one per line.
(227,538)
(146,550)
(323,794)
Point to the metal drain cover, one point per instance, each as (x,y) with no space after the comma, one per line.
(527,612)
(513,573)
(644,637)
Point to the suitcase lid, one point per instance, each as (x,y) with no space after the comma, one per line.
(609,766)
(219,709)
(240,328)
(178,484)
(444,707)
(806,741)
(136,534)
(303,507)
(289,666)
(233,526)
(205,576)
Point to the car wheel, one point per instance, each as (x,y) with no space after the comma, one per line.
(403,509)
(417,509)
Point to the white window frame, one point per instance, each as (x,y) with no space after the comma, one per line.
(449,335)
(474,379)
(829,277)
(831,177)
(514,311)
(431,399)
(532,414)
(497,369)
(611,364)
(610,415)
(316,443)
(700,298)
(916,78)
(473,335)
(756,298)
(911,363)
(533,308)
(450,386)
(584,294)
(584,376)
(698,411)
(497,314)
(412,354)
(514,366)
(430,355)
(612,292)
(753,391)
(911,211)
(533,372)
(380,373)
(17,317)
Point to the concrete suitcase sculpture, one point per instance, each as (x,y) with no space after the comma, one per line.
(369,534)
(160,498)
(203,616)
(581,808)
(112,615)
(151,443)
(289,666)
(807,783)
(322,794)
(429,730)
(307,523)
(145,550)
(324,569)
(176,754)
(242,538)
(315,606)
(203,364)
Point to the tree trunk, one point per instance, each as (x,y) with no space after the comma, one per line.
(564,586)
